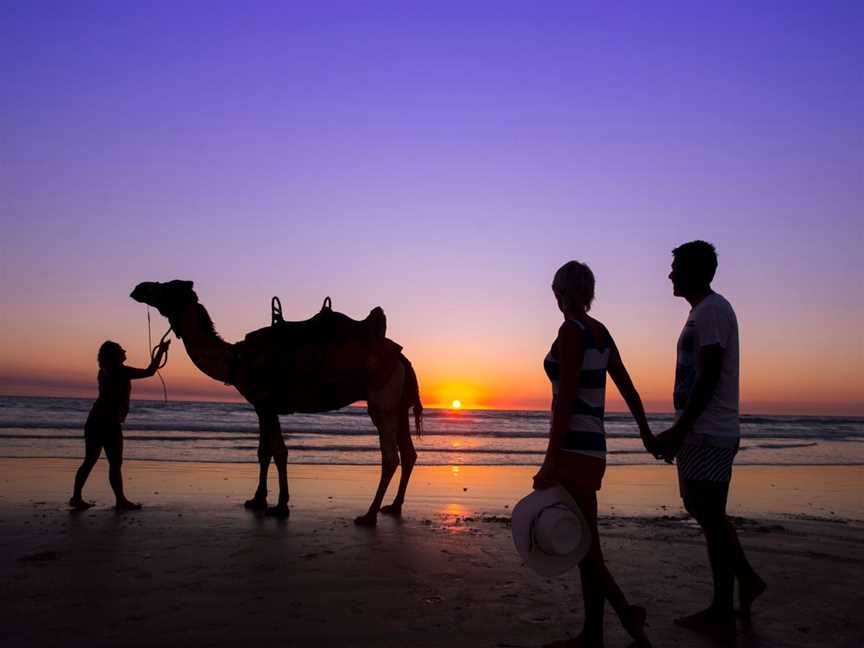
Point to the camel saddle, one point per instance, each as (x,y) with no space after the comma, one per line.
(321,363)
(328,325)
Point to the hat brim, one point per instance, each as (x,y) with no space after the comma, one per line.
(526,510)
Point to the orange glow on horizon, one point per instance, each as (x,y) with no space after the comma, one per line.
(60,368)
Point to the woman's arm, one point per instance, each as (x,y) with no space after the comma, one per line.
(134,372)
(622,381)
(570,354)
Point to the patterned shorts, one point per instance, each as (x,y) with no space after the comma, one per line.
(705,463)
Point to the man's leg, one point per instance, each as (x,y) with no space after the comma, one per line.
(750,584)
(706,502)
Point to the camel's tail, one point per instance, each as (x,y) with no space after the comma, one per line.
(411,395)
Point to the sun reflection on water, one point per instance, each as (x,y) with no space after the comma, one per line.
(453,518)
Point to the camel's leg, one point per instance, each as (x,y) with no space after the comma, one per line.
(386,422)
(259,500)
(270,429)
(407,457)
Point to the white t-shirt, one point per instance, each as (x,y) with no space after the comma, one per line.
(712,321)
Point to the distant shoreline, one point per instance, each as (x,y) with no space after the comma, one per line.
(227,433)
(786,413)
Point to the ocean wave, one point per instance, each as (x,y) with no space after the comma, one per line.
(801,420)
(426,446)
(426,443)
(11,429)
(780,446)
(427,461)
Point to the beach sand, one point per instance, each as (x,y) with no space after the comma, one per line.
(194,568)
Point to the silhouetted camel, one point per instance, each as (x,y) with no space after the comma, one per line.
(317,365)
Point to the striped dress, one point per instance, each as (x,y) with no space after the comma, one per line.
(586,434)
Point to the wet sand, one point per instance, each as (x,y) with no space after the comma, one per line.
(195,568)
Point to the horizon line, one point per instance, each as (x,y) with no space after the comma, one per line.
(444,407)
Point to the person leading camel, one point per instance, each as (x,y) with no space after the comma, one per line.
(103,428)
(577,364)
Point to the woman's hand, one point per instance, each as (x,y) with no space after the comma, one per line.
(158,353)
(162,349)
(649,441)
(545,477)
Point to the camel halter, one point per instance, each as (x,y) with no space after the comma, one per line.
(153,355)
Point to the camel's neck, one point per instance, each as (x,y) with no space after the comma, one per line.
(210,353)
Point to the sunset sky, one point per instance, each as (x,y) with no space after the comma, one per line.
(441,160)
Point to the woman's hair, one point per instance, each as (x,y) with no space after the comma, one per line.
(109,354)
(574,286)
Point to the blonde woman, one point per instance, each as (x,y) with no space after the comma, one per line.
(577,364)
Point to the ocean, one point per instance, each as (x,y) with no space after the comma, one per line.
(227,432)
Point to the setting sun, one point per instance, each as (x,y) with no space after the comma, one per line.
(456,404)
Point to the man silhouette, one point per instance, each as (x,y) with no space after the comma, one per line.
(705,436)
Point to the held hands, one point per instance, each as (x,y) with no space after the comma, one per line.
(667,444)
(648,440)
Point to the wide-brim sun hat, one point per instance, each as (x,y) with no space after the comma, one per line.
(549,531)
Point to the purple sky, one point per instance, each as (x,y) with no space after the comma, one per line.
(441,161)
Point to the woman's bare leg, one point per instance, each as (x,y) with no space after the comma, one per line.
(114,452)
(91,455)
(598,584)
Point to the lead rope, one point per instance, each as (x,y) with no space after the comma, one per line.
(153,355)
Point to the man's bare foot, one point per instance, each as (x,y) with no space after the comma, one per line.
(394,510)
(126,505)
(749,592)
(256,504)
(370,519)
(580,641)
(633,620)
(278,511)
(710,622)
(79,504)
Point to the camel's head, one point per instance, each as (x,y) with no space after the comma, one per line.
(168,298)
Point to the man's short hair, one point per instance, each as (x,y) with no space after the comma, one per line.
(698,259)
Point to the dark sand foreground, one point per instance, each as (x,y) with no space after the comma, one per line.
(195,569)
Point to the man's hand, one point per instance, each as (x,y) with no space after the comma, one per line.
(668,443)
